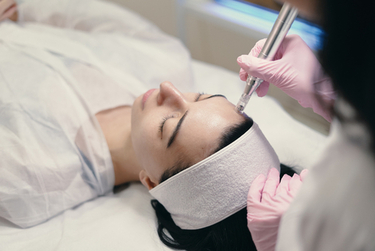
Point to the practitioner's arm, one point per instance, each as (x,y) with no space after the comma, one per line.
(85,15)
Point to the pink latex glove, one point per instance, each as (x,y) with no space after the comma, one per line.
(295,70)
(267,201)
(8,8)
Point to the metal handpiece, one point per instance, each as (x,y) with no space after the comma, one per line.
(279,30)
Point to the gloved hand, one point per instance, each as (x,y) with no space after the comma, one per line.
(295,70)
(8,8)
(267,201)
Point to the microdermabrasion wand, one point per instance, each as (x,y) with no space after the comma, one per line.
(279,30)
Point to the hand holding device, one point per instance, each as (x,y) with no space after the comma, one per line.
(279,29)
(295,70)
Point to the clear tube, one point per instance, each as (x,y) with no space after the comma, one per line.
(252,84)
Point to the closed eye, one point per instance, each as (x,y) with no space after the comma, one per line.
(161,127)
(162,123)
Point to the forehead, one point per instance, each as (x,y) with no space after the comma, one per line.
(203,128)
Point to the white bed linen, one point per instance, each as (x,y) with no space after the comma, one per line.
(125,220)
(54,78)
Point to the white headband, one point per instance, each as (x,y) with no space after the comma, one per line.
(217,187)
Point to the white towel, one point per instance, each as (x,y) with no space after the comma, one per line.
(217,187)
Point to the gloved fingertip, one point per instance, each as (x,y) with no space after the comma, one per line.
(263,89)
(284,184)
(243,61)
(286,177)
(243,75)
(295,176)
(304,174)
(256,188)
(261,178)
(239,59)
(259,93)
(252,65)
(273,172)
(295,182)
(258,183)
(272,182)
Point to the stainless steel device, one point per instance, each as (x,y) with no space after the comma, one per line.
(279,30)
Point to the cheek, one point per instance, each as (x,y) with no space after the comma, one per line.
(142,140)
(148,156)
(142,128)
(146,145)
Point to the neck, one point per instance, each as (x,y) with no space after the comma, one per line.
(116,127)
(125,164)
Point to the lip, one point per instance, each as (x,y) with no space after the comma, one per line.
(146,96)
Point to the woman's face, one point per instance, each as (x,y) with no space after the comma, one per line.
(170,127)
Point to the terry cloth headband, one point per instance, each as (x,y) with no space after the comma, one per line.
(217,187)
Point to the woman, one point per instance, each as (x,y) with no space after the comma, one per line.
(198,175)
(67,68)
(335,208)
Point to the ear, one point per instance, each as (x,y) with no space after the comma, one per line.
(146,181)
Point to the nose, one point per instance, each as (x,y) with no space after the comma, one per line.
(170,95)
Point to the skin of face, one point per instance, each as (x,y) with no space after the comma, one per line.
(203,122)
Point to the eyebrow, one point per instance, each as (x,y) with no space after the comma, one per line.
(216,95)
(178,126)
(171,139)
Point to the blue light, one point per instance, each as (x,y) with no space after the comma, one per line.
(271,16)
(248,8)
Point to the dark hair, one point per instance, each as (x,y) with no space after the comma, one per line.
(348,54)
(229,234)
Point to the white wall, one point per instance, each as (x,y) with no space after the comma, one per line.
(160,12)
(217,35)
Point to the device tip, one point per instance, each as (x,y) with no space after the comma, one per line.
(240,108)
